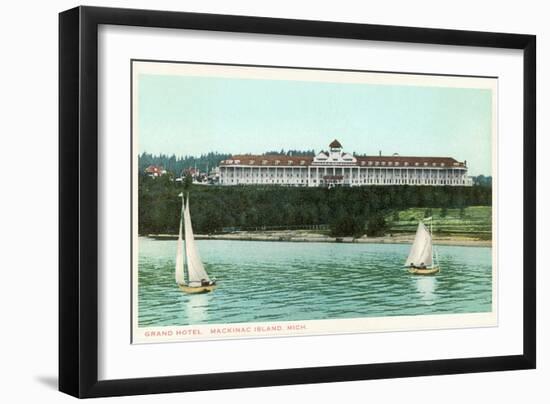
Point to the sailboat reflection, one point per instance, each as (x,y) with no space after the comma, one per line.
(426,288)
(196,308)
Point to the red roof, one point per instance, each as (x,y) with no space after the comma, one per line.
(153,169)
(392,161)
(269,160)
(335,144)
(410,161)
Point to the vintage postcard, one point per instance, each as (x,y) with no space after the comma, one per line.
(276,201)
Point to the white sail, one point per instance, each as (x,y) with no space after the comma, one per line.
(195,269)
(421,250)
(180,258)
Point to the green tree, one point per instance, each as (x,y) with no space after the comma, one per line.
(395,216)
(344,224)
(187,182)
(376,225)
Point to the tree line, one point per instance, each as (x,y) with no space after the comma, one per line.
(177,164)
(348,211)
(204,162)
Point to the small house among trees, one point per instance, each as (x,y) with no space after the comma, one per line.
(154,171)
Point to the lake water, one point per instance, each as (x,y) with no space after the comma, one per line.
(285,281)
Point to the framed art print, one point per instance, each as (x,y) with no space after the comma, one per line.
(289,239)
(233,188)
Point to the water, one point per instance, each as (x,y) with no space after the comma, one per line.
(285,281)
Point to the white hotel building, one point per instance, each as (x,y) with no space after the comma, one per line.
(338,168)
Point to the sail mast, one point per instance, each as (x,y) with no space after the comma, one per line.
(434,251)
(180,256)
(432,236)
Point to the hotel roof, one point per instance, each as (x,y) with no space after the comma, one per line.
(411,161)
(392,161)
(269,160)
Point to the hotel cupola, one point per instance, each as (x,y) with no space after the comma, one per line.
(335,146)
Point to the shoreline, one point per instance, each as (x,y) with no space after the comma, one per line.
(308,237)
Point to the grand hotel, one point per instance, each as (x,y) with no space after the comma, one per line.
(338,168)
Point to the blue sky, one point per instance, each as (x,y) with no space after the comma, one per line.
(186,115)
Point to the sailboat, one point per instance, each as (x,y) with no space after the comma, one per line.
(191,276)
(421,257)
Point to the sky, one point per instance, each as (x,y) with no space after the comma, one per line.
(185,115)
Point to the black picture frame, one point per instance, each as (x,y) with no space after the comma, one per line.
(78,200)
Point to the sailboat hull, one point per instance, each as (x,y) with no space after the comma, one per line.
(197,289)
(427,271)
